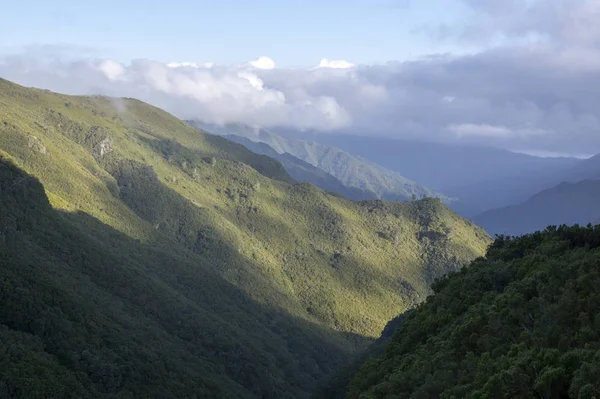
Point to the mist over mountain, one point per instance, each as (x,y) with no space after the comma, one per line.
(445,166)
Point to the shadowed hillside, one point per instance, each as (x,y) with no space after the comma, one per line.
(90,312)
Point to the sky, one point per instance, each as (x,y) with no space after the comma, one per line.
(292,32)
(517,74)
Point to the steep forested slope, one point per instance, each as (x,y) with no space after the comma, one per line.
(520,323)
(167,262)
(88,312)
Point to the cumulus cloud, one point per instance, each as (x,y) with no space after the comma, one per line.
(215,94)
(186,64)
(263,63)
(339,64)
(112,70)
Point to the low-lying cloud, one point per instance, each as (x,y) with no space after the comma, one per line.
(542,95)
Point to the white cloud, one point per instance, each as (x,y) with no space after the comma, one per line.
(187,64)
(542,95)
(336,64)
(485,130)
(112,69)
(470,129)
(553,154)
(263,63)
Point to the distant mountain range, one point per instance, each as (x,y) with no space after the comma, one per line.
(441,166)
(570,196)
(351,170)
(567,203)
(303,171)
(502,191)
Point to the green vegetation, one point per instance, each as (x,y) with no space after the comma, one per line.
(350,170)
(303,171)
(520,323)
(141,257)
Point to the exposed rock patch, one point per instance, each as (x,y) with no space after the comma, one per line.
(103,148)
(35,144)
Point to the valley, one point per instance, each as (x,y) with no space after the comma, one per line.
(300,199)
(147,247)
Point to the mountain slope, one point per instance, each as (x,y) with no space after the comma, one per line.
(185,255)
(478,178)
(350,170)
(567,203)
(303,171)
(445,166)
(586,169)
(520,323)
(88,312)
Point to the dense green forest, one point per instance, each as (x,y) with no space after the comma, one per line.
(520,323)
(141,257)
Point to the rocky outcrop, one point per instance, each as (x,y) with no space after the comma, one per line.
(35,144)
(102,149)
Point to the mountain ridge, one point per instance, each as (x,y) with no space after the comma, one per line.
(567,203)
(304,171)
(350,170)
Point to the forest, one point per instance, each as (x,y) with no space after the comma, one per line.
(521,322)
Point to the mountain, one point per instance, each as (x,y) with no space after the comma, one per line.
(303,171)
(443,166)
(520,323)
(144,258)
(478,178)
(567,203)
(350,170)
(586,169)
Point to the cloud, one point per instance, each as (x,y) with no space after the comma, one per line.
(470,129)
(338,64)
(484,130)
(552,154)
(563,22)
(216,94)
(112,70)
(263,63)
(186,64)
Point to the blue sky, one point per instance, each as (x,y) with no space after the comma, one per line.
(292,32)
